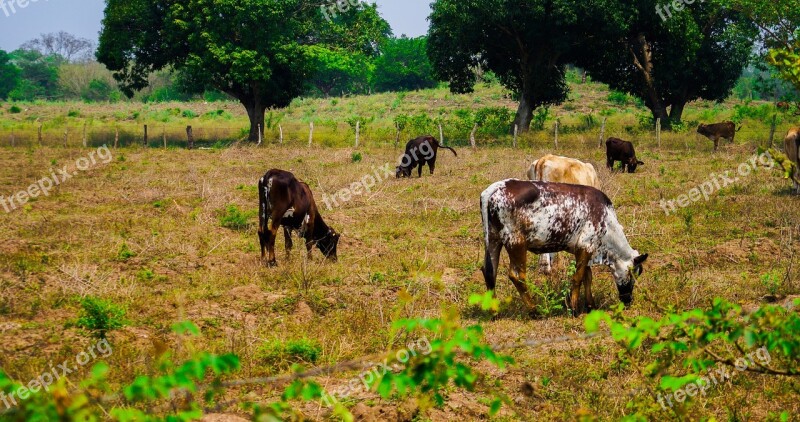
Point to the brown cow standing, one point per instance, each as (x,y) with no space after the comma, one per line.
(420,151)
(622,151)
(289,202)
(726,130)
(791,145)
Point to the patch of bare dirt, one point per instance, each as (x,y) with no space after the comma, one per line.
(741,250)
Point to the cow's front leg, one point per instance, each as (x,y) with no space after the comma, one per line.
(581,266)
(432,166)
(287,235)
(587,289)
(419,169)
(518,255)
(271,234)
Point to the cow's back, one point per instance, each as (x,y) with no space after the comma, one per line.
(556,169)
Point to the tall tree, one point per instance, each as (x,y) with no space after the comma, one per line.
(64,44)
(526,43)
(39,75)
(9,75)
(669,57)
(253,50)
(403,65)
(339,71)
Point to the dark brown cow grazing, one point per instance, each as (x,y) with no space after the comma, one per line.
(622,151)
(288,202)
(419,152)
(726,130)
(542,217)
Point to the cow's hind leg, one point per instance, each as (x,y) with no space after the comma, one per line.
(587,289)
(419,169)
(518,255)
(432,166)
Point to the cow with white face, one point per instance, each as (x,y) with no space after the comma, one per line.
(522,216)
(557,169)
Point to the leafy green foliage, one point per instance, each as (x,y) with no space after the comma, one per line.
(99,316)
(125,253)
(403,65)
(282,354)
(9,75)
(234,218)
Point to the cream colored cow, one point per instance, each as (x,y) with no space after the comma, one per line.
(557,169)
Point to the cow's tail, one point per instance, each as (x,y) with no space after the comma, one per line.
(439,144)
(491,242)
(263,204)
(740,127)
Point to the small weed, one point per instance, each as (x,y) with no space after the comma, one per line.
(125,253)
(100,316)
(234,218)
(279,354)
(356,157)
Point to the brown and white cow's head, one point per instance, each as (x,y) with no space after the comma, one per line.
(625,275)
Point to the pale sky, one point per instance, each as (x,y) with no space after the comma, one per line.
(82,18)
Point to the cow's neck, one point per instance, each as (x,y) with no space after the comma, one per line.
(320,228)
(615,247)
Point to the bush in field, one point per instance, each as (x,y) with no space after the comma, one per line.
(234,218)
(99,316)
(282,354)
(14,109)
(494,121)
(618,98)
(762,113)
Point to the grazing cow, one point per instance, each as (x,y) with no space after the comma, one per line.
(427,147)
(540,217)
(791,145)
(288,202)
(552,168)
(726,130)
(622,151)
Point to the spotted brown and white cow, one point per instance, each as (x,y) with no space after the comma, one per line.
(557,169)
(289,202)
(539,217)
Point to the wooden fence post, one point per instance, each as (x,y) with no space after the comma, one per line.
(13,142)
(472,136)
(772,129)
(358,132)
(190,137)
(66,134)
(556,134)
(280,129)
(145,136)
(602,133)
(310,134)
(85,142)
(259,135)
(116,138)
(516,131)
(441,135)
(40,134)
(164,136)
(658,132)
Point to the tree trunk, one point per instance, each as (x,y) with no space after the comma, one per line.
(255,112)
(676,111)
(524,114)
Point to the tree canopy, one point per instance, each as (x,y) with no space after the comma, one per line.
(403,65)
(257,51)
(9,75)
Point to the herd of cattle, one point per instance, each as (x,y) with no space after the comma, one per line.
(560,208)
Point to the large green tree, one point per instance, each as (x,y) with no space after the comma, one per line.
(403,65)
(253,50)
(669,57)
(339,71)
(38,75)
(9,75)
(526,43)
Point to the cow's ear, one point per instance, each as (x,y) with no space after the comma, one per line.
(639,260)
(640,163)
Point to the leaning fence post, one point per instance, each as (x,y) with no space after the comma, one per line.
(772,129)
(472,136)
(259,135)
(358,130)
(556,134)
(190,137)
(602,133)
(658,132)
(310,133)
(441,134)
(516,131)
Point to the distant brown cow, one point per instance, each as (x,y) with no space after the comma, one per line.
(288,202)
(428,148)
(726,130)
(622,151)
(791,146)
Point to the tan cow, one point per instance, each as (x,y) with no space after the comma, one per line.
(792,148)
(557,169)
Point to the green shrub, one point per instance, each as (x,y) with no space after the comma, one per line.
(189,114)
(618,98)
(73,113)
(356,157)
(15,109)
(125,253)
(282,354)
(234,218)
(100,316)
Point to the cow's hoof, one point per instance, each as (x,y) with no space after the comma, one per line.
(272,264)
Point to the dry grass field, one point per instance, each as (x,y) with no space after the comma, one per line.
(145,231)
